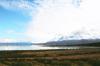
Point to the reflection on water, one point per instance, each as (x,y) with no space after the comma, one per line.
(39,47)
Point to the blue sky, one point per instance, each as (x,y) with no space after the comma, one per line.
(13,20)
(45,20)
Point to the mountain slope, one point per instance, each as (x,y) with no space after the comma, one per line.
(91,42)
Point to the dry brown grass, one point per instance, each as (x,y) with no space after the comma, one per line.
(82,57)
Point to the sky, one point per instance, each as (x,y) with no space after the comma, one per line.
(44,20)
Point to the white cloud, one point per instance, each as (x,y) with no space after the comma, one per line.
(15,40)
(7,40)
(23,6)
(11,36)
(53,17)
(61,17)
(9,31)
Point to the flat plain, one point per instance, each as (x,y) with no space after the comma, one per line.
(58,57)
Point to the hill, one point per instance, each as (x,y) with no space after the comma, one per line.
(90,42)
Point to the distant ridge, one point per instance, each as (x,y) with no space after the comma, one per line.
(85,42)
(15,43)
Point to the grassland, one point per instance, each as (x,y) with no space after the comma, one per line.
(62,57)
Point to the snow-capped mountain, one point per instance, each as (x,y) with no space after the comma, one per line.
(79,35)
(78,38)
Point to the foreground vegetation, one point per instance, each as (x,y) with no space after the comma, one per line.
(78,57)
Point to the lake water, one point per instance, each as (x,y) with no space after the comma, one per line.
(38,47)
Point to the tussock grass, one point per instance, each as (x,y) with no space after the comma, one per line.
(82,57)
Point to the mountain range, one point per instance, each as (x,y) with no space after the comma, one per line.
(78,38)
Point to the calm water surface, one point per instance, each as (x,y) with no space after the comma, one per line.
(38,47)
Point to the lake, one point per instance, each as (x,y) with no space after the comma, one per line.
(38,47)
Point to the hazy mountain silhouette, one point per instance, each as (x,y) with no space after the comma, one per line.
(78,38)
(85,42)
(15,43)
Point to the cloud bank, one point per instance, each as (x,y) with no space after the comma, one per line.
(54,17)
(64,17)
(51,18)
